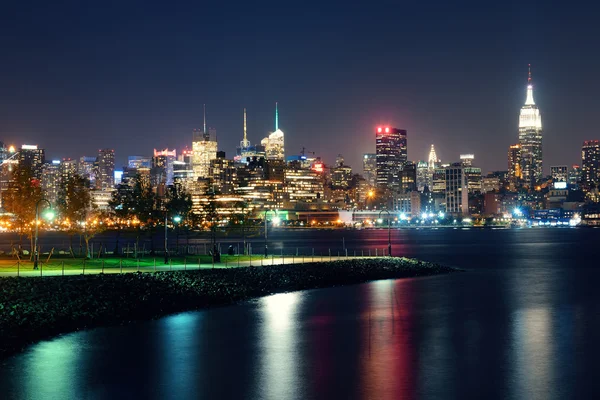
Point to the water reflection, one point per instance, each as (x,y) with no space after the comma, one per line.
(178,361)
(532,349)
(388,356)
(50,367)
(279,347)
(519,324)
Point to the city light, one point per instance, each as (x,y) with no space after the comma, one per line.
(518,212)
(387,130)
(276,220)
(379,129)
(441,215)
(177,219)
(49,215)
(424,215)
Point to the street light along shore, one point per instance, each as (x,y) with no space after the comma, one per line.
(49,215)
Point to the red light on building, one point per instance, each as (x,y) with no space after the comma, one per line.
(387,130)
(318,167)
(379,129)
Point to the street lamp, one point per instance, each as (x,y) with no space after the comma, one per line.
(166,236)
(266,248)
(389,231)
(177,220)
(370,195)
(49,215)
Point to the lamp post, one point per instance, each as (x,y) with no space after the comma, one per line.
(266,248)
(49,215)
(166,236)
(177,220)
(389,231)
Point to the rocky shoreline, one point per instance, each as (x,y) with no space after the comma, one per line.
(32,309)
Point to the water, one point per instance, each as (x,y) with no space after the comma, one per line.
(522,323)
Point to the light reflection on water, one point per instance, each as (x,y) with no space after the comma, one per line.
(280,354)
(520,324)
(177,348)
(51,366)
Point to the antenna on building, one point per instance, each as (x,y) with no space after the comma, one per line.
(204,112)
(276,118)
(529,78)
(245,142)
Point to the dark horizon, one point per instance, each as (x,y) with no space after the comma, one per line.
(134,77)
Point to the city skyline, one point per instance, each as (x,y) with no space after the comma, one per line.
(140,93)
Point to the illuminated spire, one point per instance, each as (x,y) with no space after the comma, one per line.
(204,112)
(432,157)
(529,101)
(245,143)
(276,118)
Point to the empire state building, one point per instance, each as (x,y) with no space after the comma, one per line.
(530,138)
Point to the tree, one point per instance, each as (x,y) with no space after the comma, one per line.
(76,205)
(144,207)
(72,203)
(179,201)
(212,215)
(179,204)
(239,221)
(20,199)
(119,206)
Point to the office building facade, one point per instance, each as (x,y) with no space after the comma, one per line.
(590,167)
(391,153)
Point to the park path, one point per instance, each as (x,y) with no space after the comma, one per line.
(27,271)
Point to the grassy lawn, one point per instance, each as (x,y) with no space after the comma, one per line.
(10,264)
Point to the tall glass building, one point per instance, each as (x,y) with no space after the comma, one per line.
(390,146)
(590,163)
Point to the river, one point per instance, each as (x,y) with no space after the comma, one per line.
(523,322)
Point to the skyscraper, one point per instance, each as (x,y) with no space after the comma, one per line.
(274,143)
(432,164)
(51,181)
(590,163)
(390,146)
(370,168)
(530,138)
(163,163)
(457,200)
(515,174)
(422,176)
(467,160)
(137,162)
(86,167)
(204,150)
(559,173)
(32,157)
(105,165)
(575,176)
(408,177)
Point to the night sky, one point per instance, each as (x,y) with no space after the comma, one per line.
(133,75)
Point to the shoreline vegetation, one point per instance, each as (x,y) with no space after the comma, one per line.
(34,309)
